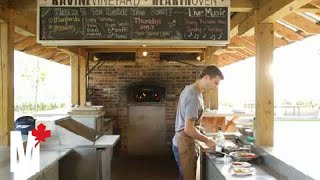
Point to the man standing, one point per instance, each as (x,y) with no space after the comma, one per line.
(189,115)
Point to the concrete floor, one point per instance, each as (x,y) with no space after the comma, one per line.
(145,167)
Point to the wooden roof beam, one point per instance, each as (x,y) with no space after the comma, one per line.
(186,50)
(23,44)
(33,49)
(287,32)
(18,37)
(278,42)
(270,12)
(65,61)
(245,43)
(315,3)
(25,22)
(4,11)
(48,53)
(243,5)
(59,56)
(302,23)
(236,19)
(309,8)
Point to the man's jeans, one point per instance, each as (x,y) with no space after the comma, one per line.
(177,158)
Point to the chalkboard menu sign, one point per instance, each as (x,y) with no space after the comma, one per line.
(133,23)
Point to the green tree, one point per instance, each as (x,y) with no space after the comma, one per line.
(36,77)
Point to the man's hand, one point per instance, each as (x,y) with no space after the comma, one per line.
(210,143)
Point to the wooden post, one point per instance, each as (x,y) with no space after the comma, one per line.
(83,57)
(75,87)
(211,100)
(6,79)
(264,85)
(211,97)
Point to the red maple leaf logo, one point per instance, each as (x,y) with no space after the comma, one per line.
(41,134)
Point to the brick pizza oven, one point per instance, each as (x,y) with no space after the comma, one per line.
(141,96)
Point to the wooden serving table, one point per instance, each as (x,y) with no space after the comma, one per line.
(212,119)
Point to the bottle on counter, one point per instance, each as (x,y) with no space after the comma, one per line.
(220,140)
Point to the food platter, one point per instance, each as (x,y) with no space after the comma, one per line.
(242,171)
(240,164)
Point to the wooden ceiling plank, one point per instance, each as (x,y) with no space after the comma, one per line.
(59,56)
(23,44)
(244,53)
(47,54)
(65,60)
(243,42)
(33,49)
(302,23)
(278,42)
(18,37)
(287,33)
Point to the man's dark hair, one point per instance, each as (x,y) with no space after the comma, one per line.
(212,71)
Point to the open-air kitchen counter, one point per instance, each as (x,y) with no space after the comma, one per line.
(91,153)
(263,167)
(74,151)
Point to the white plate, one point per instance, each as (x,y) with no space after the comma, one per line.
(240,165)
(242,171)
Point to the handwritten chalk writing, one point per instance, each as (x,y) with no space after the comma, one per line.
(147,21)
(184,2)
(161,11)
(132,23)
(116,12)
(138,12)
(64,28)
(66,20)
(209,12)
(94,2)
(65,12)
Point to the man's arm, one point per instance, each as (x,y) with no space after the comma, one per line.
(191,130)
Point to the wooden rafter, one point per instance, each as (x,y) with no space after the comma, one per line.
(271,11)
(315,3)
(278,42)
(236,19)
(33,49)
(243,5)
(65,60)
(23,44)
(244,53)
(25,22)
(48,53)
(287,33)
(309,8)
(18,37)
(302,23)
(243,42)
(59,56)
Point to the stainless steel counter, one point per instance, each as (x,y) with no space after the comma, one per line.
(225,169)
(47,158)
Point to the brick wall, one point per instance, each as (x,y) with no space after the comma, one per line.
(111,80)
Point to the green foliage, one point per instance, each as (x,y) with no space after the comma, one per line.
(28,107)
